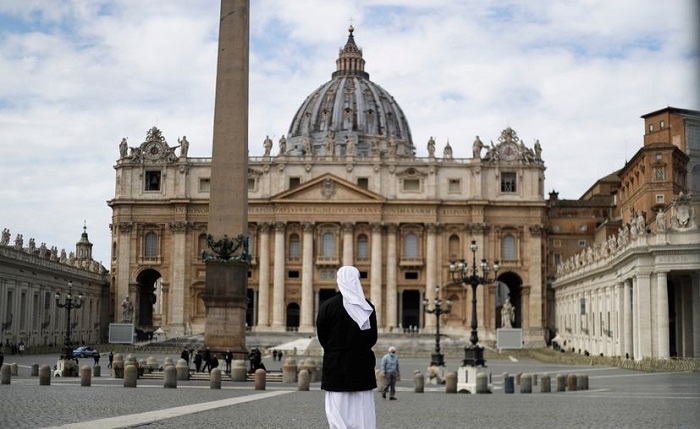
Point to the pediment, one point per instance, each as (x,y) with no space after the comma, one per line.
(328,188)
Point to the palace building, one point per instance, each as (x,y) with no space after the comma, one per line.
(342,187)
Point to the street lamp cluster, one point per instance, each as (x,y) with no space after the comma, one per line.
(437,358)
(70,302)
(462,274)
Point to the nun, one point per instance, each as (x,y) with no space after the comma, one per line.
(347,330)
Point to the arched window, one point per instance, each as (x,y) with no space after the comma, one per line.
(150,245)
(294,247)
(328,245)
(410,246)
(509,253)
(362,247)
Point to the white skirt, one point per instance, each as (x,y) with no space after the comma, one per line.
(351,410)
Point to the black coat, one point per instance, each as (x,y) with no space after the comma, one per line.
(348,359)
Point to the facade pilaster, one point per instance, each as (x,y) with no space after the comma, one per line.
(264,277)
(176,318)
(431,271)
(278,279)
(644,315)
(307,279)
(376,272)
(348,244)
(391,273)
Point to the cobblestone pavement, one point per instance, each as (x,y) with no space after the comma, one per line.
(616,399)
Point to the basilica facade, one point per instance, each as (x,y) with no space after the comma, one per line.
(342,187)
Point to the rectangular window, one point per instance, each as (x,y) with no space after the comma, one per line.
(454,186)
(582,243)
(204,184)
(557,259)
(411,275)
(363,182)
(151,245)
(363,274)
(411,185)
(508,183)
(660,199)
(293,274)
(152,181)
(251,183)
(294,182)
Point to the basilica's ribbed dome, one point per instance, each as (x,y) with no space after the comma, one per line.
(350,110)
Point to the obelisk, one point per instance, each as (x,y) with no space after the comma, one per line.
(227,263)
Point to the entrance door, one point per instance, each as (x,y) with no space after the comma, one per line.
(410,309)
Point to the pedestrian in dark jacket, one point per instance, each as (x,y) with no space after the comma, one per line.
(347,330)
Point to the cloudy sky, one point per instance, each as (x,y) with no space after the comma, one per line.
(78,75)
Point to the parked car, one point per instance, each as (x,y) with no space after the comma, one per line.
(84,352)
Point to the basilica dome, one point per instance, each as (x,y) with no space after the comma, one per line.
(350,114)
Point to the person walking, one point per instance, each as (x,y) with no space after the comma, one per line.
(111,359)
(347,330)
(228,358)
(390,368)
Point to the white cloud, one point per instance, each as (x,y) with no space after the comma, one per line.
(80,75)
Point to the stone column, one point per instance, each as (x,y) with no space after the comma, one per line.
(226,284)
(264,277)
(431,271)
(307,279)
(535,306)
(643,325)
(348,241)
(278,280)
(627,344)
(176,317)
(391,267)
(662,325)
(376,272)
(695,288)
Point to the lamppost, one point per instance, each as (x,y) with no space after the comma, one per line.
(437,358)
(474,354)
(69,303)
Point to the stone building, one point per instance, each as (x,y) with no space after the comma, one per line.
(342,187)
(30,277)
(635,289)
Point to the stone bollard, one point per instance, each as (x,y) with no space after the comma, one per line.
(309,365)
(85,376)
(238,370)
(35,370)
(118,366)
(183,371)
(482,383)
(579,382)
(214,377)
(14,368)
(170,377)
(518,376)
(289,371)
(561,382)
(152,364)
(418,382)
(571,382)
(526,383)
(260,379)
(5,374)
(509,384)
(45,375)
(96,371)
(304,379)
(143,368)
(131,374)
(545,384)
(451,382)
(585,382)
(168,361)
